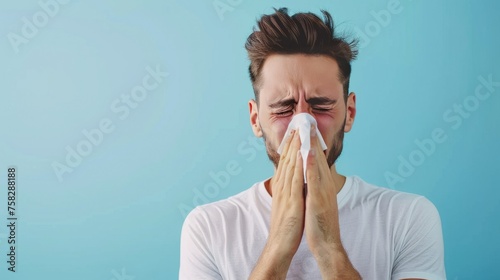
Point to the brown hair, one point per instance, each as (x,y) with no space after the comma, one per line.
(305,33)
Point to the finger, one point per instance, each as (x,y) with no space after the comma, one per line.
(298,177)
(284,154)
(320,155)
(291,160)
(315,143)
(288,142)
(313,175)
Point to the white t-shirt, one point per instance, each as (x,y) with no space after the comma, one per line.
(387,235)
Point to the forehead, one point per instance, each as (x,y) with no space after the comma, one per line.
(294,74)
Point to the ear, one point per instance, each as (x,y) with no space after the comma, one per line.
(350,111)
(254,118)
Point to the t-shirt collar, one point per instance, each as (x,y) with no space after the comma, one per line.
(341,196)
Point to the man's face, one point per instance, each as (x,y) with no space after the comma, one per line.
(293,84)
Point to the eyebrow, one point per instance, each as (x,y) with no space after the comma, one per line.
(282,103)
(311,101)
(321,101)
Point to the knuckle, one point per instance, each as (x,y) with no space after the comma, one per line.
(286,162)
(284,159)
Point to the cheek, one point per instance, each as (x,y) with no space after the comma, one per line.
(276,129)
(325,124)
(280,126)
(327,127)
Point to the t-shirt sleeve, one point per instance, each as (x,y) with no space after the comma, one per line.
(196,260)
(421,250)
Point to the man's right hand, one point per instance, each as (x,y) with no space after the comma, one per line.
(287,214)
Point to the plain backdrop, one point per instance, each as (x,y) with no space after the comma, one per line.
(107,170)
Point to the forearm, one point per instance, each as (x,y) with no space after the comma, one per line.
(271,265)
(335,264)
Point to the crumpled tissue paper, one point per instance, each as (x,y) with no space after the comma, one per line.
(302,122)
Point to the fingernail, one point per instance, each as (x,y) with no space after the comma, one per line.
(313,152)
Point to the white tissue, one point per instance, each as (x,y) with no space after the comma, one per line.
(302,122)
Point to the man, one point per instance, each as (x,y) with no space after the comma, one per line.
(335,227)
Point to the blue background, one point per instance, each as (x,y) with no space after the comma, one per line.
(120,211)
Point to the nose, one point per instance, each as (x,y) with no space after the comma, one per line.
(303,107)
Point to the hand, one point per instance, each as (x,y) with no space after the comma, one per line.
(321,217)
(287,214)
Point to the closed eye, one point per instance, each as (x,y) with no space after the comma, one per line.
(322,109)
(284,113)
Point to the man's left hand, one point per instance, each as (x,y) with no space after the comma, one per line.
(322,219)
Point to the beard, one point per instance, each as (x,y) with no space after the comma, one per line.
(334,153)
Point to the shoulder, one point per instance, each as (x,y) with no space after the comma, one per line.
(401,210)
(215,212)
(364,193)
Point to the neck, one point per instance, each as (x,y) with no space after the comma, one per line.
(338,180)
